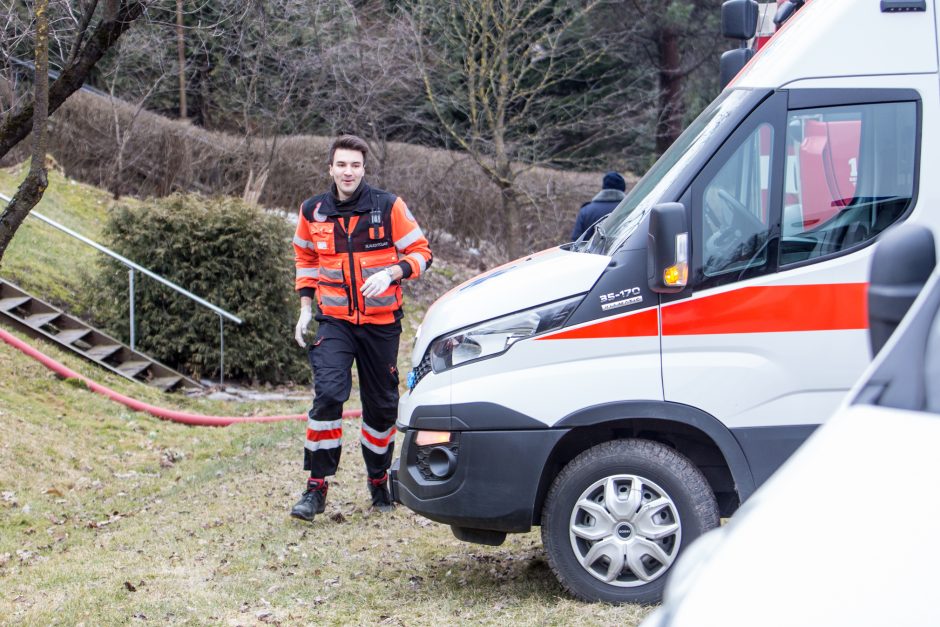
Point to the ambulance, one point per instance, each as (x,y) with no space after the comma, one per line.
(626,392)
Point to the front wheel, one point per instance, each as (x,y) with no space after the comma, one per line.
(619,514)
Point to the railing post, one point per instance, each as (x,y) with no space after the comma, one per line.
(130,282)
(221,351)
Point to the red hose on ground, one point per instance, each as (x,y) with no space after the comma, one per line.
(159,412)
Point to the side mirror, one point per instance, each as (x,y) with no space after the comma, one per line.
(732,62)
(786,10)
(902,262)
(739,19)
(668,248)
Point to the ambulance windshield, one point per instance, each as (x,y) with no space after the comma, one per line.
(624,219)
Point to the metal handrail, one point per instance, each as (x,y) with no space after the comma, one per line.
(153,275)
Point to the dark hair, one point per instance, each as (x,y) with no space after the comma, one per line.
(349,142)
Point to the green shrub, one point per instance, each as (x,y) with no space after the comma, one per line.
(232,255)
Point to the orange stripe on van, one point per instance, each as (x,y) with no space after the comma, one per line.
(640,324)
(771,309)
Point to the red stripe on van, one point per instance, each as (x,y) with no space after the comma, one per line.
(771,309)
(641,324)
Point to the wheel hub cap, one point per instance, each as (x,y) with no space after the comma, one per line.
(625,530)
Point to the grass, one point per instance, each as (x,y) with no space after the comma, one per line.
(108,516)
(44,260)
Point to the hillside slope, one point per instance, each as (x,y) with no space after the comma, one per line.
(107,517)
(46,261)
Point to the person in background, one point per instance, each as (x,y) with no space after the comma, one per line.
(612,192)
(353,246)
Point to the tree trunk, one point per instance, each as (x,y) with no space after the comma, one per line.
(19,124)
(31,189)
(671,107)
(509,221)
(181,52)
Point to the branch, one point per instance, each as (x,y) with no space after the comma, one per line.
(82,28)
(106,34)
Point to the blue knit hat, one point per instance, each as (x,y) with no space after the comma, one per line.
(612,180)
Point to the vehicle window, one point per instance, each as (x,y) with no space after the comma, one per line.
(849,175)
(625,218)
(736,207)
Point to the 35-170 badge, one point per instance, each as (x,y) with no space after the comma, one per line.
(623,298)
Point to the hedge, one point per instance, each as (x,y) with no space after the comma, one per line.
(233,255)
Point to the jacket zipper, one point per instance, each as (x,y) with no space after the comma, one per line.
(352,273)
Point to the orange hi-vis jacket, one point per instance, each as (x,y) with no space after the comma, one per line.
(335,262)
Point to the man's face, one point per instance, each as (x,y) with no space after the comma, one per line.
(347,170)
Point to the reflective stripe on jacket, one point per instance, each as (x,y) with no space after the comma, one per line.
(382,233)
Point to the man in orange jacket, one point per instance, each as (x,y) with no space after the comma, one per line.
(353,246)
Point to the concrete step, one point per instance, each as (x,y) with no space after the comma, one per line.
(102,351)
(70,335)
(12,302)
(39,320)
(133,368)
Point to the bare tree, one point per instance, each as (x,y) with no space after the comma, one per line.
(116,16)
(86,49)
(375,89)
(33,186)
(181,55)
(510,82)
(139,89)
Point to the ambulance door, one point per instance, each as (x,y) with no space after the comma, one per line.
(783,218)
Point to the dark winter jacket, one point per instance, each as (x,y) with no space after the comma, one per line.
(592,211)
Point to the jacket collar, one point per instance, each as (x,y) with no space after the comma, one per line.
(608,195)
(359,202)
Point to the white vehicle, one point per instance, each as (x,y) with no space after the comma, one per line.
(861,547)
(627,391)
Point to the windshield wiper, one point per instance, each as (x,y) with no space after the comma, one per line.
(600,235)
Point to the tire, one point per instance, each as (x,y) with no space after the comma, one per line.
(597,544)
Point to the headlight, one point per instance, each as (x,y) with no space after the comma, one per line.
(496,336)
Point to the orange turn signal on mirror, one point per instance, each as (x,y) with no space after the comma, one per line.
(677,274)
(427,438)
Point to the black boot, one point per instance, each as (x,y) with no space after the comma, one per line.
(313,500)
(381,499)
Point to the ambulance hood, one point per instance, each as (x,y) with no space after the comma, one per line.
(547,276)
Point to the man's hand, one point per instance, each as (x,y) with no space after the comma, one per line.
(376,284)
(306,315)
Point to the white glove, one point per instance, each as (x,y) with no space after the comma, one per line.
(376,284)
(306,315)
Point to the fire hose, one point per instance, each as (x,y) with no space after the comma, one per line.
(132,403)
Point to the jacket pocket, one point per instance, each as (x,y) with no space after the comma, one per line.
(321,234)
(389,300)
(333,296)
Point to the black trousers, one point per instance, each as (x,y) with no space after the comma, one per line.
(374,347)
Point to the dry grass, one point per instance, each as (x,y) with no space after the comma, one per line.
(111,517)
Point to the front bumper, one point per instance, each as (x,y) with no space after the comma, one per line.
(494,484)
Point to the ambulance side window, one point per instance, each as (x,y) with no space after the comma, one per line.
(849,174)
(736,208)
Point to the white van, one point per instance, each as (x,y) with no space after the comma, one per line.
(862,548)
(627,391)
